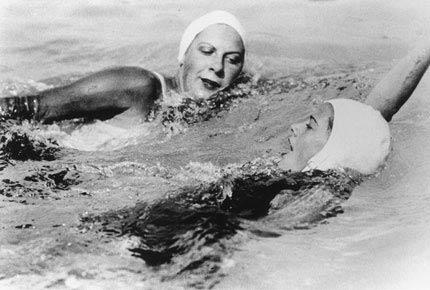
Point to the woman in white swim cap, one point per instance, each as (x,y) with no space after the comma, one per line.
(211,56)
(343,133)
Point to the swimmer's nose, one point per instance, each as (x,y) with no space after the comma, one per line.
(217,66)
(296,129)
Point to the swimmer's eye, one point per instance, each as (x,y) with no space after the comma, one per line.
(206,49)
(234,59)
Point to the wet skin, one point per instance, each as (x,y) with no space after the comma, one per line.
(308,138)
(212,62)
(101,95)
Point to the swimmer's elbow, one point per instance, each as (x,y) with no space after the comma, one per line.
(384,106)
(392,92)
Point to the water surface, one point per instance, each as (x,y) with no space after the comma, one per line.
(380,242)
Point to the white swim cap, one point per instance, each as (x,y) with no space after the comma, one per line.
(359,140)
(198,25)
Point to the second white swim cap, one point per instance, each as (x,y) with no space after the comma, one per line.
(359,140)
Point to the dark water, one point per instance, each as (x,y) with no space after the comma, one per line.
(195,229)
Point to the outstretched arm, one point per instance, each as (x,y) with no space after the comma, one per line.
(100,95)
(397,86)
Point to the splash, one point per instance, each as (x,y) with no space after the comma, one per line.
(177,113)
(19,87)
(98,136)
(172,116)
(48,181)
(20,141)
(194,231)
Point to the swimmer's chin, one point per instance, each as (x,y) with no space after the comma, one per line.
(205,94)
(291,162)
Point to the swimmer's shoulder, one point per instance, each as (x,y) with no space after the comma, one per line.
(127,78)
(163,82)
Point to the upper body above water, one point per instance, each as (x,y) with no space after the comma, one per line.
(211,56)
(344,133)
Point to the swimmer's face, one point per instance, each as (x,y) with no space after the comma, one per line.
(308,138)
(213,60)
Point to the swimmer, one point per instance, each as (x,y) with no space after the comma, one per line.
(342,134)
(345,133)
(211,56)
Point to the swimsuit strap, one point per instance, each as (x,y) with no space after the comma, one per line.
(162,82)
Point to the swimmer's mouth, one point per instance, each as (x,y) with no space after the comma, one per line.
(210,84)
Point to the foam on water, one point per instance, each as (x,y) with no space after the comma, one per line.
(99,136)
(109,135)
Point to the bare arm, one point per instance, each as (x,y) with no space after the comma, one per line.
(397,86)
(100,95)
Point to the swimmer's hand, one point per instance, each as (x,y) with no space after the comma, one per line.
(22,108)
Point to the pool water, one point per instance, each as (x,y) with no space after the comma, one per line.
(311,50)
